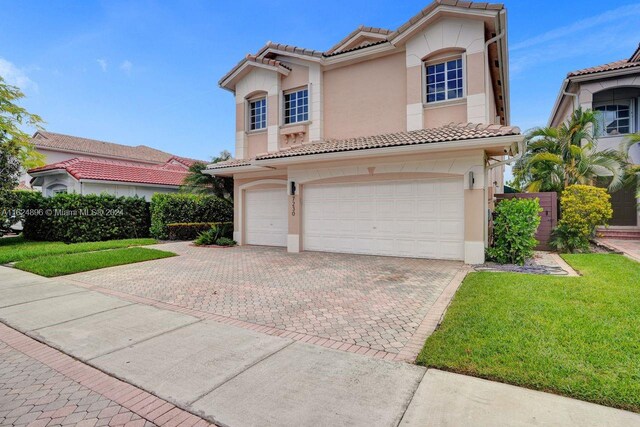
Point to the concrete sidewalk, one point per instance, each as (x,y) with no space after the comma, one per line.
(238,377)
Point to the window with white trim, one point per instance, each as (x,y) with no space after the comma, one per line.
(616,118)
(258,114)
(54,189)
(296,106)
(444,80)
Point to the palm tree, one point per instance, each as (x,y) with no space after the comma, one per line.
(202,183)
(567,154)
(634,170)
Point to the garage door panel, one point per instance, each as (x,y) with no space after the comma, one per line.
(266,217)
(423,218)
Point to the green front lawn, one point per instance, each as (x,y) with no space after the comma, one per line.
(59,265)
(18,249)
(579,337)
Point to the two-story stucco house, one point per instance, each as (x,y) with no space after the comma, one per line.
(389,143)
(613,89)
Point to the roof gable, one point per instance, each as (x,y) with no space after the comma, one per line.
(358,38)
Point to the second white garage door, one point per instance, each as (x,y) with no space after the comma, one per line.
(266,217)
(423,218)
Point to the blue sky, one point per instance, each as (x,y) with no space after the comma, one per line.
(146,72)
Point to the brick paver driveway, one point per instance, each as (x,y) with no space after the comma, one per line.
(373,302)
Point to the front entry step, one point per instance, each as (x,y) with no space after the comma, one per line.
(618,233)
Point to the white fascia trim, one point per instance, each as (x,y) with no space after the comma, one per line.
(49,172)
(235,169)
(563,88)
(290,54)
(360,53)
(443,8)
(378,36)
(137,184)
(508,142)
(225,82)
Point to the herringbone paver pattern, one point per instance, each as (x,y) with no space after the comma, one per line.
(373,302)
(41,386)
(33,394)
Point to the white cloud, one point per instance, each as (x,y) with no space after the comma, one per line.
(610,17)
(16,76)
(103,64)
(126,66)
(597,37)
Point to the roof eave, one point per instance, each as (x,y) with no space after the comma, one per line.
(140,184)
(228,171)
(229,80)
(494,142)
(400,37)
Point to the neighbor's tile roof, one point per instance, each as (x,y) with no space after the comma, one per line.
(448,133)
(611,66)
(51,140)
(119,171)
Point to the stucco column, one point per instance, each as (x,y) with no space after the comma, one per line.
(294,213)
(474,226)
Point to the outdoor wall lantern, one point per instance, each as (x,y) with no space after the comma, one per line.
(471,180)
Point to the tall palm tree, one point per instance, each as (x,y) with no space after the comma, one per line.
(557,157)
(202,183)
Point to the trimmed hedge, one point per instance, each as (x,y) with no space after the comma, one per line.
(186,208)
(76,218)
(514,230)
(191,230)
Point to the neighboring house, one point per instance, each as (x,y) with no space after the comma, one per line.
(614,90)
(87,166)
(389,143)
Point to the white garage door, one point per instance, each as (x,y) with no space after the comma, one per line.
(266,217)
(422,218)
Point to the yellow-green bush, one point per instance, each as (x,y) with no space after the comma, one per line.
(583,208)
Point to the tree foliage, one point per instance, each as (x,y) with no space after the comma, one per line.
(199,182)
(634,170)
(584,208)
(16,149)
(514,230)
(558,157)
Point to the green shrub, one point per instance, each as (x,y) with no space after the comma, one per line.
(186,208)
(214,234)
(514,228)
(583,208)
(191,230)
(225,241)
(76,218)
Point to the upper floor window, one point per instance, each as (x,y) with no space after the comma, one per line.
(258,114)
(296,106)
(444,80)
(615,118)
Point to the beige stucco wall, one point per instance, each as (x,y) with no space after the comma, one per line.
(298,77)
(435,116)
(366,98)
(257,143)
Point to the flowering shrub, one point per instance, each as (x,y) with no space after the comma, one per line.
(583,208)
(514,228)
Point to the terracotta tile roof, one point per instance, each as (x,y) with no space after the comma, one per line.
(451,132)
(448,133)
(389,34)
(363,46)
(77,144)
(119,171)
(230,163)
(456,3)
(611,66)
(375,30)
